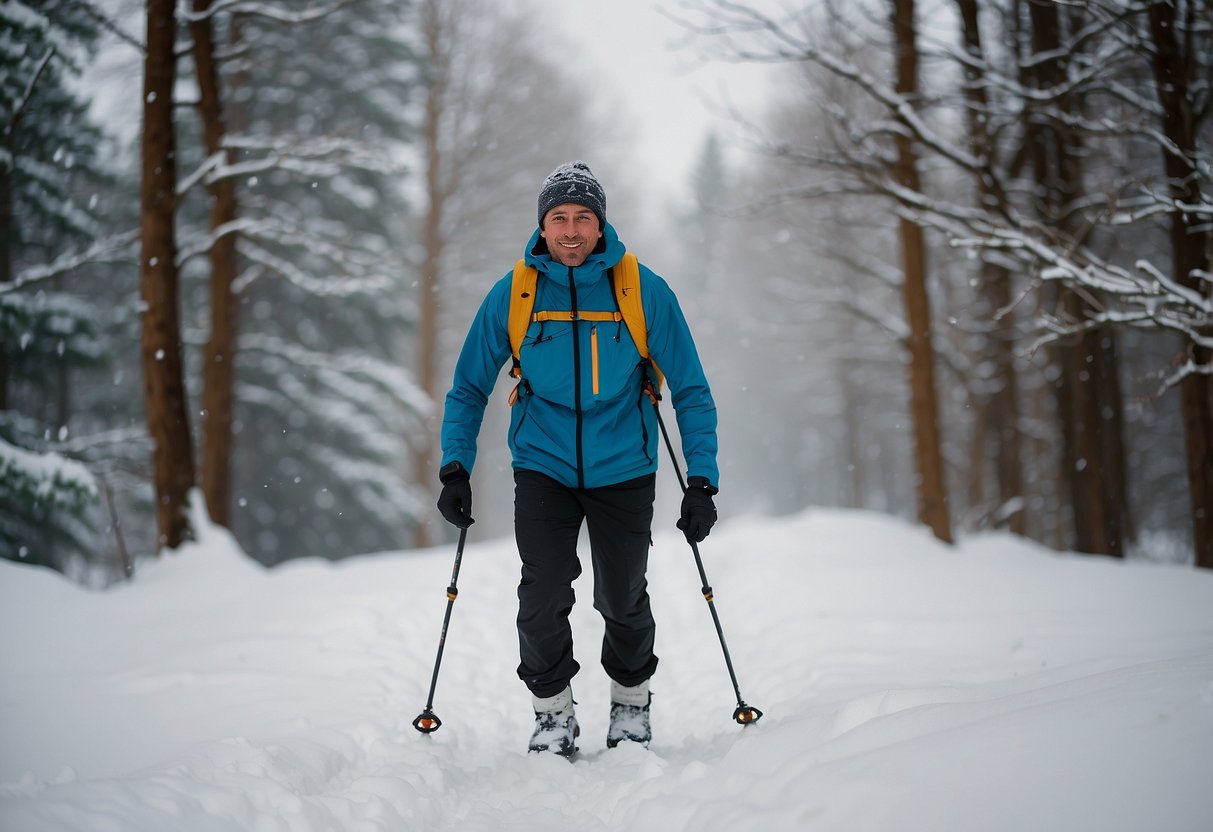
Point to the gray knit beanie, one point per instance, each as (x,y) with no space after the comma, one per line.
(572,182)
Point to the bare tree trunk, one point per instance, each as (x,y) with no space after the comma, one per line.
(1048,520)
(164,388)
(1057,153)
(851,395)
(63,394)
(1084,461)
(433,239)
(1174,67)
(1001,412)
(924,404)
(124,555)
(218,368)
(1111,417)
(978,442)
(7,232)
(1098,404)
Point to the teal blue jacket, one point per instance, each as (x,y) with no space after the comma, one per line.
(581,416)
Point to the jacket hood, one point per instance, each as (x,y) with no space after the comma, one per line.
(610,250)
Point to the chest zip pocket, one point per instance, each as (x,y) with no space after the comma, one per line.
(594,358)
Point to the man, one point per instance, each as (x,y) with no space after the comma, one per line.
(584,440)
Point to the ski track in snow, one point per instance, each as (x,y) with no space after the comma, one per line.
(906,686)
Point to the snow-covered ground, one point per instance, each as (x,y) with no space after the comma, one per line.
(906,685)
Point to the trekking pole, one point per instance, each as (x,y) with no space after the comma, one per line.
(427,722)
(745,714)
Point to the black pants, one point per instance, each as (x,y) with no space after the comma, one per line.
(547,520)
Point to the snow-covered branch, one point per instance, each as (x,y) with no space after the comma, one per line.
(322,158)
(199,174)
(22,102)
(45,477)
(82,445)
(109,24)
(115,249)
(333,285)
(337,369)
(197,246)
(1188,368)
(256,8)
(348,258)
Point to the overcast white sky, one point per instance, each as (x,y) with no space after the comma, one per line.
(657,70)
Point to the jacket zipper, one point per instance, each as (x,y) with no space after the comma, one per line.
(577,378)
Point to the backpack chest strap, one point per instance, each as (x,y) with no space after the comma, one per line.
(568,315)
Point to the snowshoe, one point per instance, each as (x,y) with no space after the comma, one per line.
(556,728)
(630,715)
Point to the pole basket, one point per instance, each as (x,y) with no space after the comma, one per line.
(427,722)
(746,714)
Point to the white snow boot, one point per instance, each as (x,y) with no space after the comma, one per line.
(556,728)
(630,715)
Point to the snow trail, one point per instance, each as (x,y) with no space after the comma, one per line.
(906,685)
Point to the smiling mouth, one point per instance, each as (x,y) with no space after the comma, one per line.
(566,244)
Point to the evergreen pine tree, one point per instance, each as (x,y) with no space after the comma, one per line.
(49,170)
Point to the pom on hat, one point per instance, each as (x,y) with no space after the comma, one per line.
(573,182)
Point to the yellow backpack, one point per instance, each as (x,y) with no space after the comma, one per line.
(625,281)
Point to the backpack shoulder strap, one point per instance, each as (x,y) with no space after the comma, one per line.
(627,294)
(626,281)
(522,303)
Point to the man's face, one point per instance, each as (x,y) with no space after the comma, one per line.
(571,232)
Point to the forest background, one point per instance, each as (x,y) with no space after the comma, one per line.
(955,267)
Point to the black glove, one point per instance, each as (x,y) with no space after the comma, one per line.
(455,501)
(698,510)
